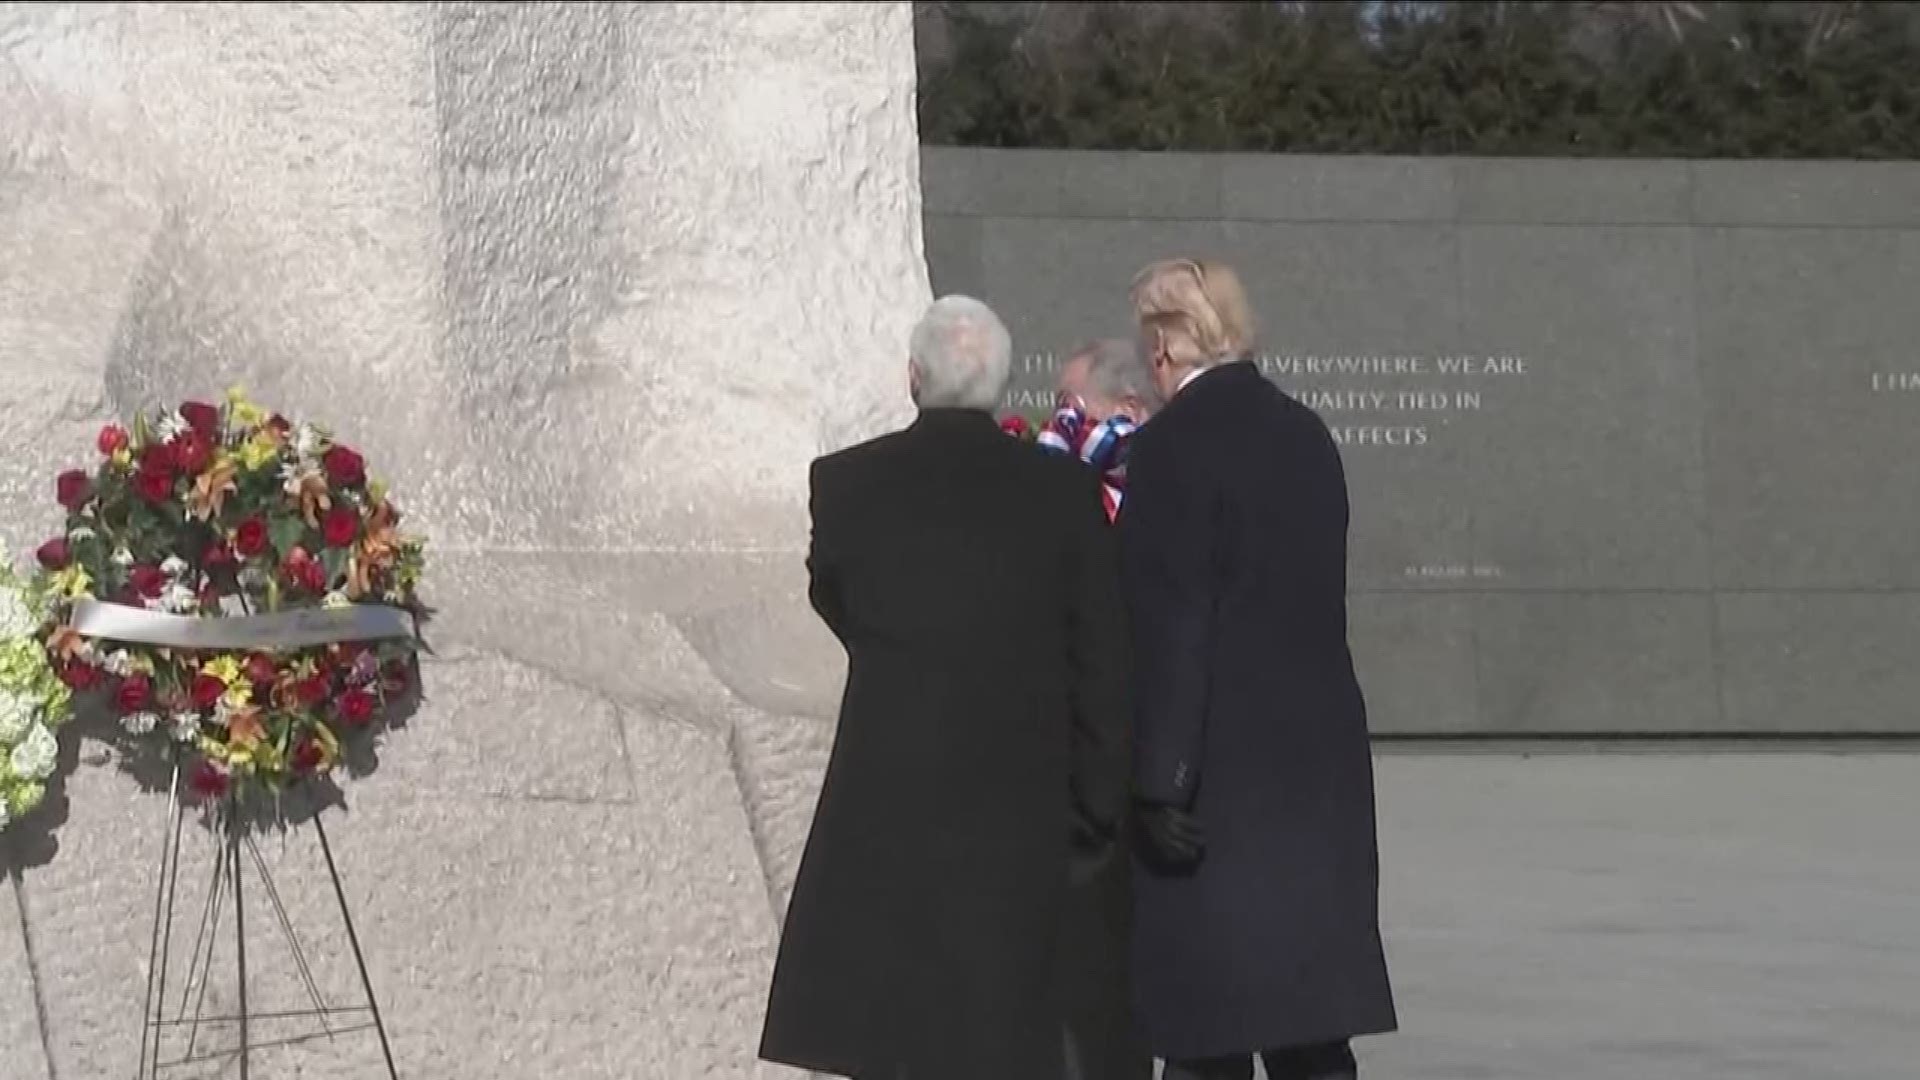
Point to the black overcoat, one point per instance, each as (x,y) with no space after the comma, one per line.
(1233,538)
(973,580)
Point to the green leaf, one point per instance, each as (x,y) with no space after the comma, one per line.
(335,560)
(286,533)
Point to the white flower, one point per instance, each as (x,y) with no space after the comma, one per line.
(122,557)
(293,475)
(80,532)
(36,756)
(16,716)
(15,619)
(118,662)
(307,440)
(171,427)
(335,599)
(140,723)
(178,599)
(4,816)
(185,726)
(174,566)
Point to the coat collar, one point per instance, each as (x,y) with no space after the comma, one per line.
(1233,372)
(955,420)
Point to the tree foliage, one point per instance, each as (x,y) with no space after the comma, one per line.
(1775,80)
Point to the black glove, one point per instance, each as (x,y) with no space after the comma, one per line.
(1170,838)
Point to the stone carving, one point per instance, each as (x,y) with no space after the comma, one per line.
(620,272)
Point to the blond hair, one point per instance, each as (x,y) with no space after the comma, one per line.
(1197,308)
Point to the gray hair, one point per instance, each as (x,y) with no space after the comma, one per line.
(1119,369)
(961,354)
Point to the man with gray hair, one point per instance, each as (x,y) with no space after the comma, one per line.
(983,737)
(1107,390)
(1111,377)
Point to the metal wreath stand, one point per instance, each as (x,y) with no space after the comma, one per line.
(279,631)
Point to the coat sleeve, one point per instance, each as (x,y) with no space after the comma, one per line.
(823,572)
(1097,647)
(1168,527)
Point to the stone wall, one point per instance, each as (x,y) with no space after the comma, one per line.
(591,283)
(1631,443)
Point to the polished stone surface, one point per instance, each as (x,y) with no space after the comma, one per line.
(1635,413)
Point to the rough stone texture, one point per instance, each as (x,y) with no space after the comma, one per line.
(1690,512)
(19,1025)
(591,284)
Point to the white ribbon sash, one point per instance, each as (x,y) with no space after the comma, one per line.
(278,631)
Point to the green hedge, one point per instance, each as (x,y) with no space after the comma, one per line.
(1773,80)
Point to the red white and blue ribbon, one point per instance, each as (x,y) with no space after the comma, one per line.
(1102,445)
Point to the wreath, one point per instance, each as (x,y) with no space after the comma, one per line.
(204,513)
(33,701)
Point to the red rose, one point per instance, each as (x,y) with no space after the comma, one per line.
(148,581)
(202,417)
(261,670)
(313,689)
(312,576)
(344,467)
(209,781)
(54,554)
(1016,426)
(306,756)
(134,695)
(157,457)
(73,489)
(340,526)
(81,677)
(153,485)
(250,538)
(207,690)
(112,440)
(356,706)
(192,453)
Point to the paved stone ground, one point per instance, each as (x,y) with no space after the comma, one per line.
(1640,916)
(1591,916)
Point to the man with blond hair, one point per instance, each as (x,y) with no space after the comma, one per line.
(1257,905)
(973,581)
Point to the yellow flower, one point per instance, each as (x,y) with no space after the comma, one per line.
(224,668)
(239,694)
(73,582)
(122,458)
(259,452)
(245,412)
